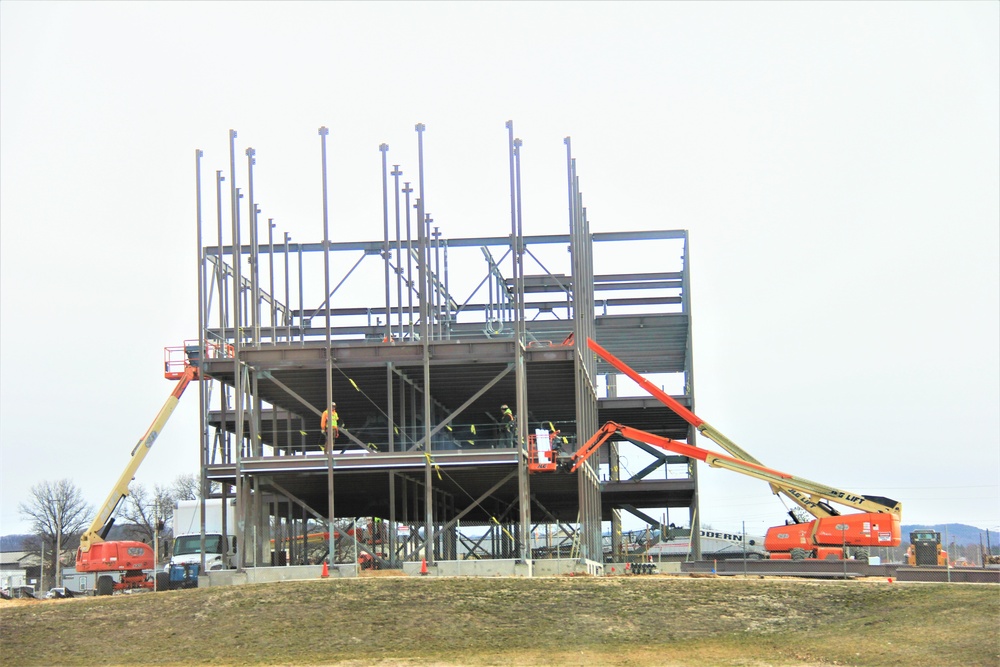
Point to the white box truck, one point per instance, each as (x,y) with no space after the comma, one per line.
(220,548)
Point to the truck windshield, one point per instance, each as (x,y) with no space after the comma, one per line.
(191,544)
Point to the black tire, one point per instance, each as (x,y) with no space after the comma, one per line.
(105,585)
(799,554)
(861,554)
(162,581)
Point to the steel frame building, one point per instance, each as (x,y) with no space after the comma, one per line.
(418,364)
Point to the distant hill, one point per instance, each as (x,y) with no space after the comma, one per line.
(959,533)
(13,542)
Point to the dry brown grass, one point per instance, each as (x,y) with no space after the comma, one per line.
(392,621)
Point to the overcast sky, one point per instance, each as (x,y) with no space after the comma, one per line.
(836,166)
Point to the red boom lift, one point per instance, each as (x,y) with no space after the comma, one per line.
(825,537)
(128,558)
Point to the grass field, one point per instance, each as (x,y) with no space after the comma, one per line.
(620,621)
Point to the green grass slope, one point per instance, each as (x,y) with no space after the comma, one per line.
(621,621)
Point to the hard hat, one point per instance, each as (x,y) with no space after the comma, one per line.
(503,407)
(333,405)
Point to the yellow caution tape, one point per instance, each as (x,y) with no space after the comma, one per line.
(472,428)
(437,468)
(507,532)
(354,384)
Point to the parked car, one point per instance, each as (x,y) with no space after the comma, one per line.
(60,592)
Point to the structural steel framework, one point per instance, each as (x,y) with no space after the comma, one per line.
(419,339)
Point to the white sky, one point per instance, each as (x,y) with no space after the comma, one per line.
(836,166)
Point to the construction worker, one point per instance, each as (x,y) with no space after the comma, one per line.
(325,419)
(507,423)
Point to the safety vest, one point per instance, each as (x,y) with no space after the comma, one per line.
(325,418)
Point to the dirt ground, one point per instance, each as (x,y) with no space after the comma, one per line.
(388,620)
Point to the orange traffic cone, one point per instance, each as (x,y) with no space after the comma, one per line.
(423,566)
(326,571)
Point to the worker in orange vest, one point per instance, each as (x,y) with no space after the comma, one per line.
(334,423)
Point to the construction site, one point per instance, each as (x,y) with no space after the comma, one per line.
(451,363)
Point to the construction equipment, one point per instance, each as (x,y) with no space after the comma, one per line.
(126,558)
(925,549)
(828,536)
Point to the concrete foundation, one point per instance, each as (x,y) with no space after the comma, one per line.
(549,567)
(261,575)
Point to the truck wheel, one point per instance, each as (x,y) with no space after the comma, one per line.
(162,581)
(799,554)
(105,585)
(861,554)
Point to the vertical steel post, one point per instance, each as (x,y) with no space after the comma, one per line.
(203,453)
(254,282)
(288,302)
(328,436)
(302,301)
(237,344)
(689,390)
(425,331)
(520,385)
(409,259)
(270,260)
(223,312)
(396,173)
(384,148)
(220,272)
(447,295)
(437,300)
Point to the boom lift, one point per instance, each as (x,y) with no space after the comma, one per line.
(127,557)
(825,537)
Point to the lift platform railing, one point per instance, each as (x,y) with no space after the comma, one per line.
(176,359)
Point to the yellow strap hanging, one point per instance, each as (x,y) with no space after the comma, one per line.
(507,532)
(437,468)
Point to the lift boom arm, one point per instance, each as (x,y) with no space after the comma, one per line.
(807,495)
(101,524)
(793,483)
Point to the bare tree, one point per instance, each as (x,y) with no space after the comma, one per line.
(143,511)
(186,487)
(58,514)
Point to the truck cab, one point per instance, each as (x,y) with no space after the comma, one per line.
(220,550)
(220,540)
